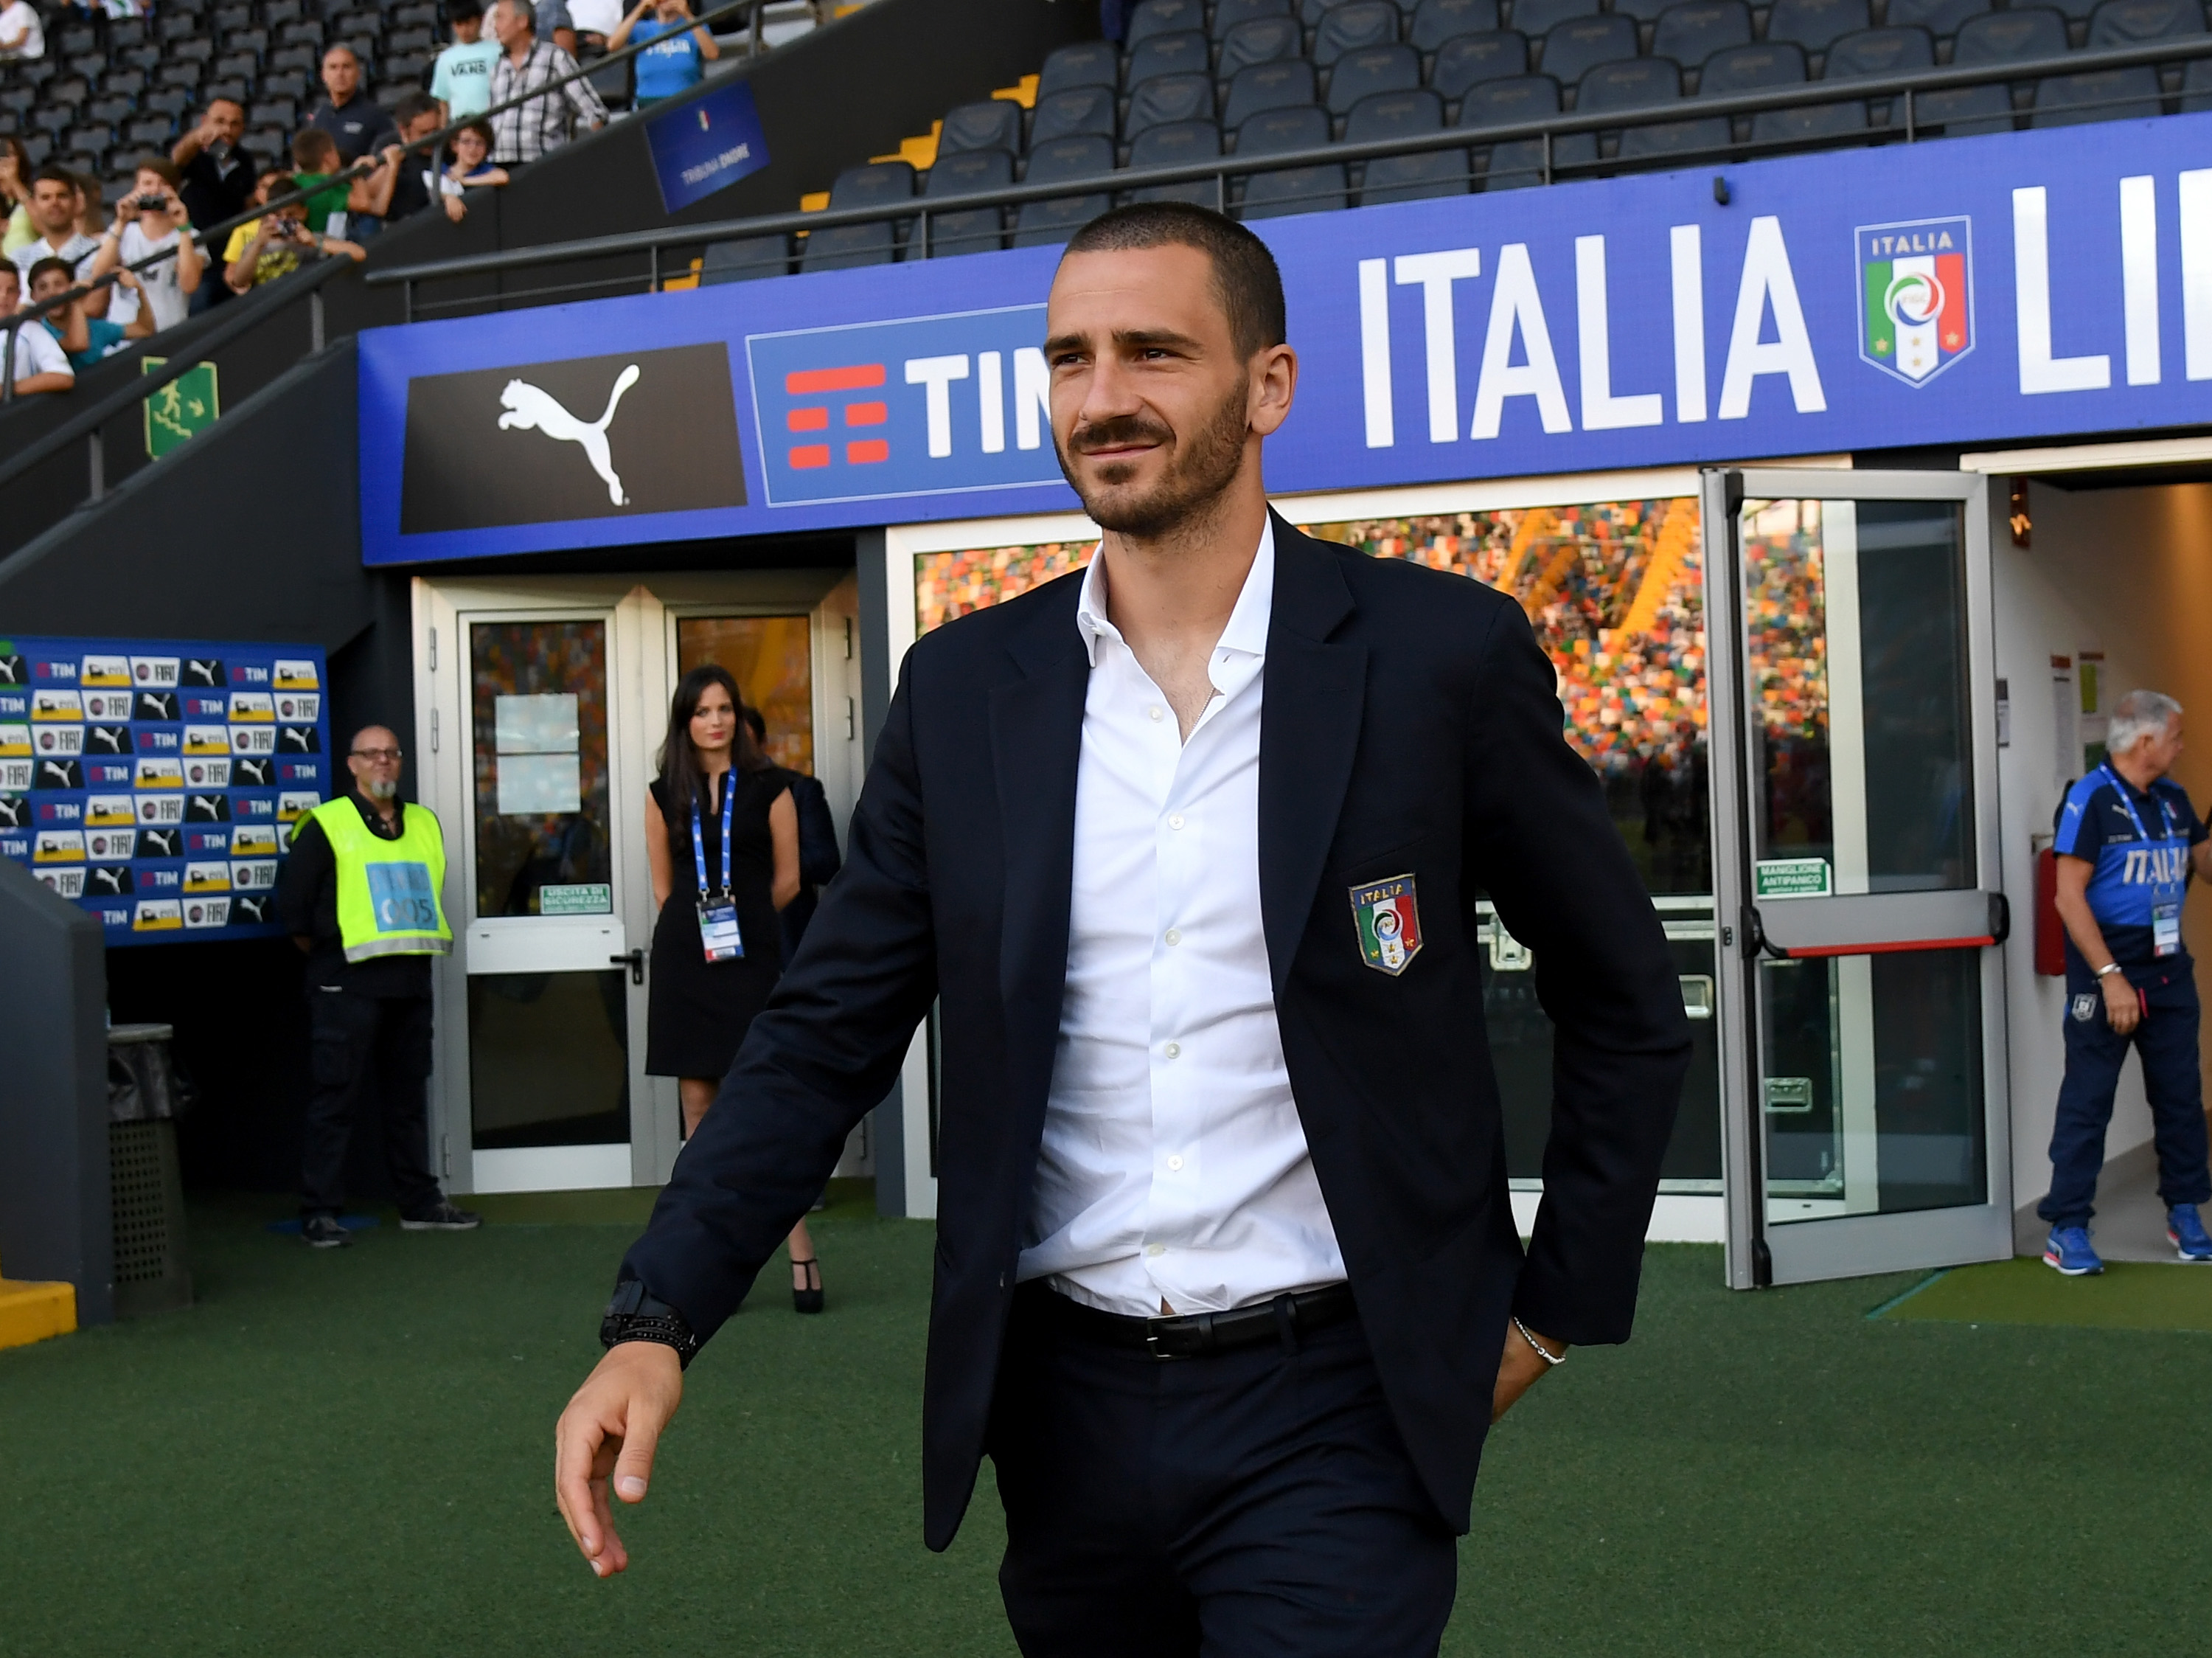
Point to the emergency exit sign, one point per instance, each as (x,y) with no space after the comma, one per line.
(1791,878)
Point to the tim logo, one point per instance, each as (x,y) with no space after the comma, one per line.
(924,406)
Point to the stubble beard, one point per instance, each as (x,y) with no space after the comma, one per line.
(1197,478)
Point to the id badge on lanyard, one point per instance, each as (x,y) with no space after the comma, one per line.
(2165,901)
(718,910)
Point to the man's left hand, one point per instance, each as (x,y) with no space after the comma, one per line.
(1518,1367)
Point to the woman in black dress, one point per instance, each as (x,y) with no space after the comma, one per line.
(712,772)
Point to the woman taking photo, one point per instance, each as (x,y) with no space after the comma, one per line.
(722,837)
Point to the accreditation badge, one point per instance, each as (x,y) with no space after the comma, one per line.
(718,931)
(1389,920)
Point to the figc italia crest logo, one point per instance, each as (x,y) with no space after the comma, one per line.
(1916,296)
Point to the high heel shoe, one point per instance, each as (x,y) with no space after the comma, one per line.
(808,1300)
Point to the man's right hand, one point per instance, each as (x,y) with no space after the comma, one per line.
(2122,1003)
(610,1431)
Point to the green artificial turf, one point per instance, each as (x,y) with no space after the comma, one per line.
(348,1453)
(2125,1295)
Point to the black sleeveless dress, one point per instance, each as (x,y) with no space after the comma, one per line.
(697,1010)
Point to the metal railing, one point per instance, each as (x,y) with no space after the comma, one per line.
(919,211)
(211,236)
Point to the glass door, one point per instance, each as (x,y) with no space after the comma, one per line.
(1856,867)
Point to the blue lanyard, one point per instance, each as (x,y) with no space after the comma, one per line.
(699,839)
(2128,805)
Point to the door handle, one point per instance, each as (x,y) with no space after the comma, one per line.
(635,962)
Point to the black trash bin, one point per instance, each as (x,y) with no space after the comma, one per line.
(144,1095)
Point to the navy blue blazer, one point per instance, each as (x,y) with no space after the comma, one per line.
(1411,726)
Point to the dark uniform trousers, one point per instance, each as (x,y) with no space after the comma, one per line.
(2166,1039)
(368,1047)
(1256,1503)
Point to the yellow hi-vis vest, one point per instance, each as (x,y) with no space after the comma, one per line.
(388,889)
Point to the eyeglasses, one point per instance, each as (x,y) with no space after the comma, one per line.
(375,754)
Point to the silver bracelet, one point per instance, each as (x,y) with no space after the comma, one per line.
(1549,1359)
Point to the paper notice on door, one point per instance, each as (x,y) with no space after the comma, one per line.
(539,785)
(1774,878)
(535,725)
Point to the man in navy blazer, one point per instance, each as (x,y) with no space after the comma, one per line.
(1227,1279)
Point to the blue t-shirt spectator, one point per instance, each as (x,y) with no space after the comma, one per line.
(672,65)
(2139,841)
(103,338)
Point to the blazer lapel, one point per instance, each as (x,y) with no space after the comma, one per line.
(1036,738)
(1308,732)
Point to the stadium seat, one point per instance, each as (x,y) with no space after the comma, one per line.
(275,112)
(1229,13)
(1573,46)
(1405,178)
(1882,52)
(1816,25)
(172,101)
(75,42)
(1354,28)
(292,85)
(2196,86)
(1261,40)
(1185,53)
(1064,161)
(843,248)
(2078,10)
(1468,60)
(2002,37)
(1175,144)
(168,27)
(1519,161)
(231,17)
(2105,95)
(1439,21)
(197,52)
(1293,190)
(1640,83)
(1077,111)
(1777,64)
(1692,33)
(2119,23)
(1941,18)
(1377,69)
(307,32)
(1537,18)
(1170,98)
(306,59)
(745,260)
(1267,86)
(1157,17)
(971,229)
(992,123)
(1087,63)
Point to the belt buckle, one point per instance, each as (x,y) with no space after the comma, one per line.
(1152,1348)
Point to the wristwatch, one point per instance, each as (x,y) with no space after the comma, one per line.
(2108,970)
(634,1314)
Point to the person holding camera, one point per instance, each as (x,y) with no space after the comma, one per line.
(152,220)
(262,250)
(681,50)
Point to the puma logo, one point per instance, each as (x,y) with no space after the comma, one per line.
(531,409)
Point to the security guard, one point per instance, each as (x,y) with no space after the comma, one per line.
(361,898)
(2128,842)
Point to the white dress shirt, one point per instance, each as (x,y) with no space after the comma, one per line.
(1173,1167)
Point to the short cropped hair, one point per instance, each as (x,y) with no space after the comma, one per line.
(460,11)
(2138,715)
(51,173)
(311,149)
(412,108)
(1245,278)
(42,267)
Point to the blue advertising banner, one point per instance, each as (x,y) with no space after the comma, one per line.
(700,146)
(2023,286)
(156,783)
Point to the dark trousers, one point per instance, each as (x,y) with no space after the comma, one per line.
(366,1047)
(2166,1039)
(1257,1502)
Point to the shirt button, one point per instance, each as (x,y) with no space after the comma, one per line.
(1174,1050)
(1156,1249)
(1175,936)
(1175,1163)
(1156,711)
(1175,822)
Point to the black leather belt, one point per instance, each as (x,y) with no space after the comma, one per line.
(1194,1335)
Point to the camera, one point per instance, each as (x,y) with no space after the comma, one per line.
(149,203)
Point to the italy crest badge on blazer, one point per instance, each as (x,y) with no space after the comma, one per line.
(1389,915)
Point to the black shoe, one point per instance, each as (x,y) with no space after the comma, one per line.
(808,1300)
(324,1232)
(440,1216)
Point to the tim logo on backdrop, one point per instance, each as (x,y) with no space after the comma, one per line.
(1916,296)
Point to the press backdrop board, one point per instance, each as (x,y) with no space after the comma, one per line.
(156,782)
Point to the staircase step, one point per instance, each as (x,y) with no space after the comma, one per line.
(33,1312)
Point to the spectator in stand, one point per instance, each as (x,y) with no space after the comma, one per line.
(22,34)
(262,250)
(152,220)
(84,339)
(461,82)
(16,170)
(349,114)
(39,363)
(404,186)
(218,175)
(681,50)
(316,162)
(528,66)
(574,25)
(57,200)
(472,170)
